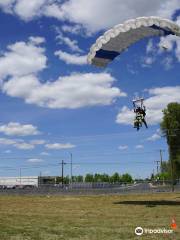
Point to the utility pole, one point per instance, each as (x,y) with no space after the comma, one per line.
(172,174)
(161,159)
(20,175)
(157,162)
(40,176)
(62,172)
(71,167)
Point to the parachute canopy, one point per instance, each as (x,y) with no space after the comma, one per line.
(120,37)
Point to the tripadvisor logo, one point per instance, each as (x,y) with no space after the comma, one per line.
(140,231)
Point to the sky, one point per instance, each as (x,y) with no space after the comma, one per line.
(53,104)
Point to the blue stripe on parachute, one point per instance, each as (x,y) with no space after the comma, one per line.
(106,54)
(166,32)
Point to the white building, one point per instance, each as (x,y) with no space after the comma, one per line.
(13,181)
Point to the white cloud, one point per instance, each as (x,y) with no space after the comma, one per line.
(167,62)
(7,141)
(7,5)
(170,43)
(139,146)
(17,143)
(38,142)
(72,44)
(178,20)
(147,61)
(154,137)
(44,153)
(21,86)
(150,47)
(123,147)
(159,99)
(36,40)
(35,160)
(24,146)
(29,145)
(75,59)
(166,45)
(22,59)
(125,116)
(101,14)
(7,151)
(20,70)
(17,129)
(28,10)
(52,10)
(73,29)
(57,146)
(94,15)
(74,91)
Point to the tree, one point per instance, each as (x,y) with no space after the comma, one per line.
(165,167)
(97,177)
(115,177)
(66,179)
(126,178)
(89,177)
(105,177)
(79,178)
(170,127)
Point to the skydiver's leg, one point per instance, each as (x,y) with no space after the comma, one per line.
(144,121)
(135,124)
(139,119)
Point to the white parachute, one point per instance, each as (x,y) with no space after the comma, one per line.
(121,36)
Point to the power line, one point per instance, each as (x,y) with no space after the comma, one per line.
(103,155)
(7,168)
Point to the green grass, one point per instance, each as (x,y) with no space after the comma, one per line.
(87,217)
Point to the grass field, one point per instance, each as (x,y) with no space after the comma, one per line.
(102,217)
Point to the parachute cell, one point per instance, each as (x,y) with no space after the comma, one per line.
(120,37)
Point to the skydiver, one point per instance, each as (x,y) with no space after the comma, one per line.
(142,112)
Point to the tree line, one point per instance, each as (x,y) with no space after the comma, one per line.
(91,178)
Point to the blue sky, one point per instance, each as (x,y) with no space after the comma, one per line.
(53,103)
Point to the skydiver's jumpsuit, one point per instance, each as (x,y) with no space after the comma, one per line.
(140,117)
(138,121)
